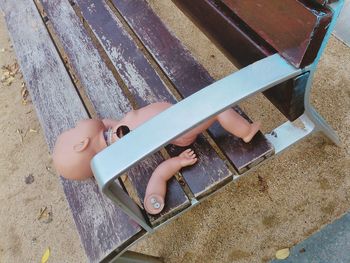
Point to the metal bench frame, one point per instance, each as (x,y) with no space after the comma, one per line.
(211,100)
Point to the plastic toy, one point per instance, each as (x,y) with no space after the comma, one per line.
(75,148)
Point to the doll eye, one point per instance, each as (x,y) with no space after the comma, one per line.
(122,131)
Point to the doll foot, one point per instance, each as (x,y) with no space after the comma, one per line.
(154,204)
(254,128)
(188,157)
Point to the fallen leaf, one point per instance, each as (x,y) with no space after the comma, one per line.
(41,212)
(9,81)
(3,49)
(45,215)
(24,93)
(14,69)
(33,130)
(45,256)
(282,253)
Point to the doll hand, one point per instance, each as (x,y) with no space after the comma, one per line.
(187,158)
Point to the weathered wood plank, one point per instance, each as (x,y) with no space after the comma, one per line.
(143,83)
(294,28)
(101,225)
(101,87)
(156,90)
(188,76)
(241,45)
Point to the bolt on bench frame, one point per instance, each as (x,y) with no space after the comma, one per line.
(204,104)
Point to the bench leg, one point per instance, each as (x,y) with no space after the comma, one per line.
(322,125)
(134,257)
(314,116)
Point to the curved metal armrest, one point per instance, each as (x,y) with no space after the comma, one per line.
(186,114)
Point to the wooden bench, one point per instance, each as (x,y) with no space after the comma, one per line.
(89,58)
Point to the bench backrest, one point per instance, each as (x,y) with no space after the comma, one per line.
(250,30)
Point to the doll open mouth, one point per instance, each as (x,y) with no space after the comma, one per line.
(122,131)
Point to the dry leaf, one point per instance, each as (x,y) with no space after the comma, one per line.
(14,69)
(33,130)
(3,50)
(45,256)
(9,81)
(24,94)
(282,253)
(45,215)
(41,212)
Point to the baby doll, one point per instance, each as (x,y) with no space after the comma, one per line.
(75,148)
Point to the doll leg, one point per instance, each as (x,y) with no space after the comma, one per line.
(190,136)
(234,123)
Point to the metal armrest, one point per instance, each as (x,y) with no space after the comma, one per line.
(186,114)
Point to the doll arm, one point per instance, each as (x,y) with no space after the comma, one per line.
(156,187)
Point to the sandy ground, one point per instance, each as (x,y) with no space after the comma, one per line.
(281,203)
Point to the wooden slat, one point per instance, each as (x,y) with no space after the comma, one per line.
(102,226)
(294,28)
(188,76)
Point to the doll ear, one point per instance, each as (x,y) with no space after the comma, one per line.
(82,145)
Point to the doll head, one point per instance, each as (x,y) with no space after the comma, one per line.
(75,148)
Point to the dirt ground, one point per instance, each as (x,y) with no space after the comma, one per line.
(278,205)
